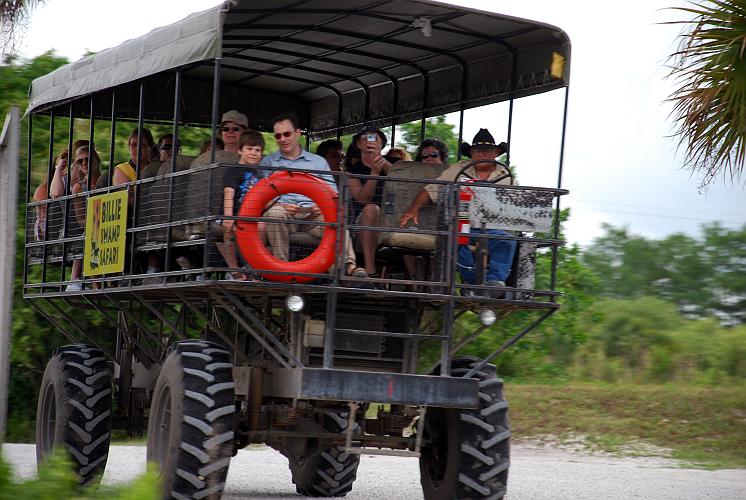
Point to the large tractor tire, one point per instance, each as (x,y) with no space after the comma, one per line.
(74,409)
(330,472)
(466,453)
(190,428)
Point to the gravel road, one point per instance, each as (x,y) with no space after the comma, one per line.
(536,473)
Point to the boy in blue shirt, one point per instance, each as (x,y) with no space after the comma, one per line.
(236,183)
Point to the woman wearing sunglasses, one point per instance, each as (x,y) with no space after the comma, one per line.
(432,151)
(232,125)
(86,164)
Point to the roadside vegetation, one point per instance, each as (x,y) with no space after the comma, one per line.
(703,426)
(56,481)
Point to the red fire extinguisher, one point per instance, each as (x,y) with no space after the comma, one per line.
(464,201)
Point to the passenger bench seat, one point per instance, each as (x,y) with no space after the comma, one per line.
(398,197)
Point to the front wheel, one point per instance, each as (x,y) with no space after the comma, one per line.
(74,409)
(190,428)
(466,453)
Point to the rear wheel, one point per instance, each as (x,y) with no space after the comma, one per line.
(466,453)
(190,428)
(330,472)
(74,409)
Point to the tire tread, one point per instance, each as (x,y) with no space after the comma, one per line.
(81,379)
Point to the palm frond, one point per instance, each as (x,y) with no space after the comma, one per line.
(13,17)
(709,100)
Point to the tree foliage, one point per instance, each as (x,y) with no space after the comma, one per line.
(13,17)
(56,480)
(709,101)
(435,128)
(704,276)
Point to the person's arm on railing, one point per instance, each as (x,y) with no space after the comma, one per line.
(228,194)
(78,208)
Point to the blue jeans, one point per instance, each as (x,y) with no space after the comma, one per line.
(500,258)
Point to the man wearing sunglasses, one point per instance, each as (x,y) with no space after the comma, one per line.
(295,206)
(166,149)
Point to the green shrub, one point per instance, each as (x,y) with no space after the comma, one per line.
(661,364)
(57,481)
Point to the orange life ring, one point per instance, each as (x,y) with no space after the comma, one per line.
(253,205)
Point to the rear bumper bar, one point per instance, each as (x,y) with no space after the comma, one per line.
(349,385)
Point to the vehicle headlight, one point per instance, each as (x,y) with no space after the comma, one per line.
(294,303)
(487,317)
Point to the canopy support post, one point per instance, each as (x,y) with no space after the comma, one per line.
(425,92)
(214,124)
(113,136)
(394,111)
(464,80)
(556,228)
(68,176)
(339,116)
(136,193)
(49,188)
(174,152)
(513,84)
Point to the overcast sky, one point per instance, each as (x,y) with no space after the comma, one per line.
(620,164)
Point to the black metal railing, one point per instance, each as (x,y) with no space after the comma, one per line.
(177,216)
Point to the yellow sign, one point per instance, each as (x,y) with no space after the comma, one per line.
(105,233)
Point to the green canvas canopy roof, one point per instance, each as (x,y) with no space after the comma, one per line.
(333,63)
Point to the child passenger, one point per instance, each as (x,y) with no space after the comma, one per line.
(236,183)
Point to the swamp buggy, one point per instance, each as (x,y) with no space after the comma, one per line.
(318,365)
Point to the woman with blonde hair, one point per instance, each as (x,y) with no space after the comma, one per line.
(400,153)
(57,188)
(87,165)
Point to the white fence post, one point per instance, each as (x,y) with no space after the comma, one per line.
(10,149)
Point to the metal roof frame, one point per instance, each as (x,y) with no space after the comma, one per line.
(372,63)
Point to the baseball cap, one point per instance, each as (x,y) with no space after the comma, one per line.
(235,117)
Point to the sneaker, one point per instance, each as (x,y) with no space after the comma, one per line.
(358,272)
(497,291)
(75,286)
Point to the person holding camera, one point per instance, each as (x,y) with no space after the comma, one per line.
(366,194)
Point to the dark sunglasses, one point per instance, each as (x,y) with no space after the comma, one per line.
(231,129)
(283,134)
(81,161)
(431,155)
(166,147)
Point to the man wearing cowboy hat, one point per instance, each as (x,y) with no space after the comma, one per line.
(483,151)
